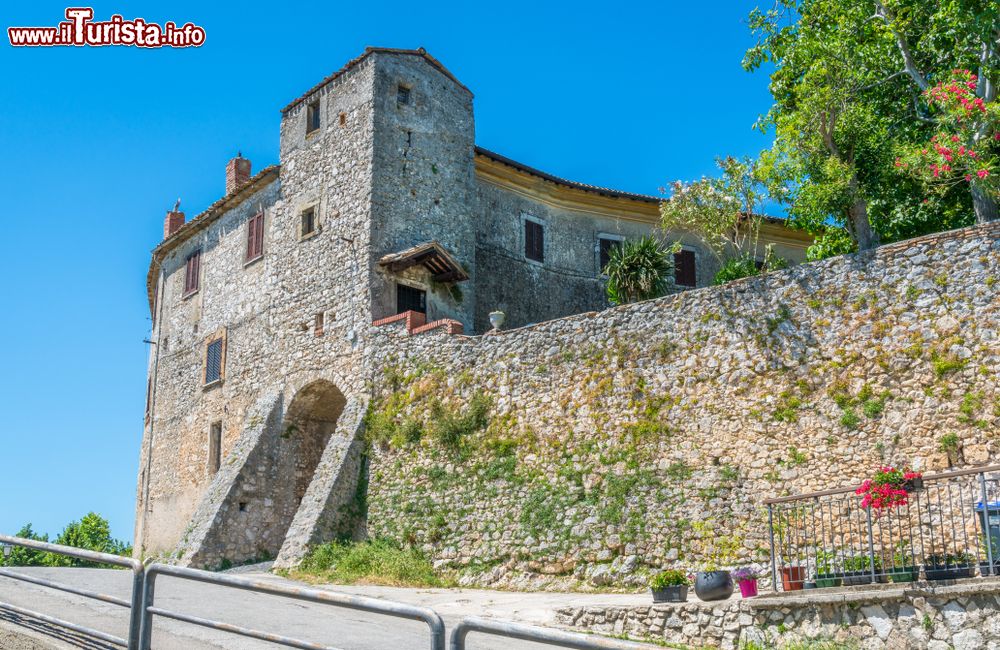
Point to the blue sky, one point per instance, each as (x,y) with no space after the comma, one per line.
(97,143)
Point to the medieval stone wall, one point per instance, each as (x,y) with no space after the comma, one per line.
(619,442)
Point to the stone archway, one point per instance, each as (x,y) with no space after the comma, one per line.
(310,420)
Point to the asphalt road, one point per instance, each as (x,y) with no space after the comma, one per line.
(337,627)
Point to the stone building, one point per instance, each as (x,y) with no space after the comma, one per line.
(382,208)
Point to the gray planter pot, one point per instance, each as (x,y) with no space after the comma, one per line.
(713,585)
(674,594)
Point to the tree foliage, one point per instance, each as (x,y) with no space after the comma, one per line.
(638,270)
(92,532)
(725,213)
(722,211)
(847,78)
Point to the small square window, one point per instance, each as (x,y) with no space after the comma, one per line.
(534,241)
(308,222)
(213,361)
(402,95)
(312,116)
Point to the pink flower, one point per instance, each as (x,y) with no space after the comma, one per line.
(968,177)
(983,173)
(955,138)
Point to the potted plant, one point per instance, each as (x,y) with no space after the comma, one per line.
(669,586)
(888,488)
(793,577)
(825,576)
(746,577)
(948,566)
(712,582)
(858,569)
(903,567)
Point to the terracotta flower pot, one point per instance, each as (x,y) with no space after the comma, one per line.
(792,578)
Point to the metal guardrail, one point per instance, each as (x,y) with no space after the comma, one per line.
(372,605)
(538,635)
(142,608)
(134,605)
(948,528)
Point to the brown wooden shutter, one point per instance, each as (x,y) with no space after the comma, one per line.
(534,241)
(685,273)
(192,272)
(255,236)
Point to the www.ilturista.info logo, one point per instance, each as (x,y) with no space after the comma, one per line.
(79,30)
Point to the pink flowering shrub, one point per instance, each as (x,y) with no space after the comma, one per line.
(886,489)
(964,149)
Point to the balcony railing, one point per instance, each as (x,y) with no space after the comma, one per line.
(827,539)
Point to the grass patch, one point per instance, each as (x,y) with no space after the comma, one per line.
(378,562)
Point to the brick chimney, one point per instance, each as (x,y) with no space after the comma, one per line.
(237,173)
(172,223)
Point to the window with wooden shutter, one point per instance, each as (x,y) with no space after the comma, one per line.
(213,361)
(607,244)
(214,447)
(685,273)
(255,237)
(534,241)
(192,272)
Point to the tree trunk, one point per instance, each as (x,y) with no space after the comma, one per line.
(984,205)
(858,224)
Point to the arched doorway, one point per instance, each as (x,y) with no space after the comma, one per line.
(310,420)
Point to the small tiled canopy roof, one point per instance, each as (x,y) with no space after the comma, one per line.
(434,257)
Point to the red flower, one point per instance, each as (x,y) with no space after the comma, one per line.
(983,173)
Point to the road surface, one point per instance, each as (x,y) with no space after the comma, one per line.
(341,628)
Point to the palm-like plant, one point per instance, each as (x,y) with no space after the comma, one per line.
(638,270)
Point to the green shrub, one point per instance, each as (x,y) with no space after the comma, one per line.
(450,426)
(381,562)
(735,269)
(669,578)
(638,270)
(948,443)
(850,419)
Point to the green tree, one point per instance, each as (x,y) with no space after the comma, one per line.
(847,80)
(724,212)
(20,556)
(93,533)
(638,270)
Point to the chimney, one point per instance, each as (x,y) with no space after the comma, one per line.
(237,173)
(172,223)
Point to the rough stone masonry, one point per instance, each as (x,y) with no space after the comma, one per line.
(310,378)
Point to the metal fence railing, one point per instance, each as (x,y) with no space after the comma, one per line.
(133,604)
(142,608)
(949,528)
(542,635)
(373,605)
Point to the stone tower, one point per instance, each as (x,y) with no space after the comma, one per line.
(258,379)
